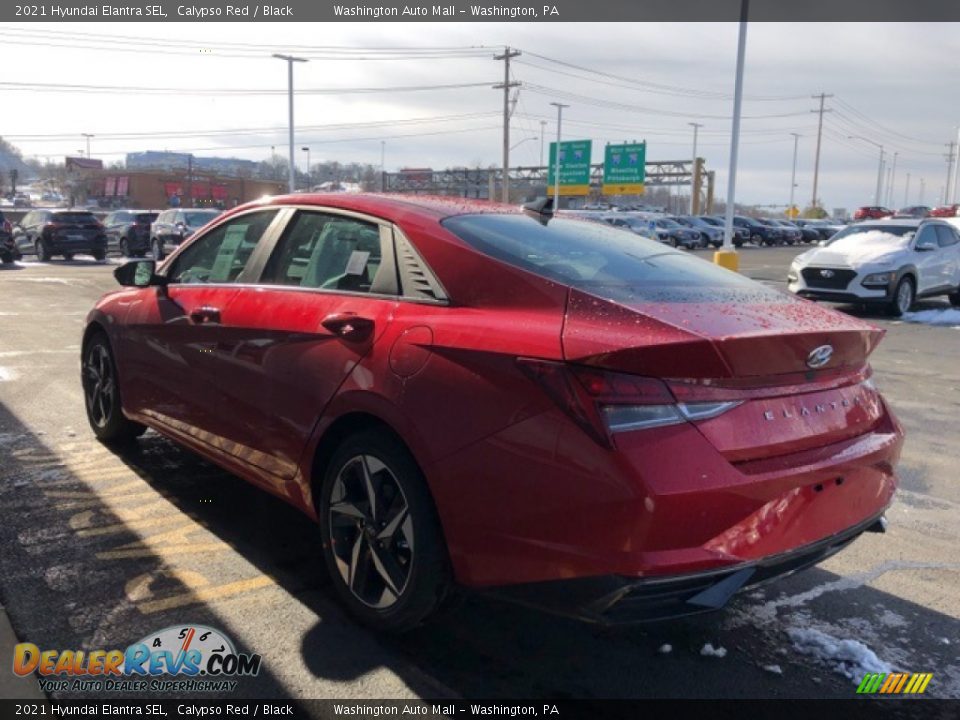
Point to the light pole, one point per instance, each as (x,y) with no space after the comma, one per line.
(727,256)
(693,168)
(290,60)
(556,163)
(793,174)
(543,134)
(876,196)
(893,178)
(518,144)
(906,192)
(88,136)
(956,172)
(307,151)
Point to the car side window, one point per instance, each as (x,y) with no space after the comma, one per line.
(946,237)
(329,252)
(220,255)
(927,237)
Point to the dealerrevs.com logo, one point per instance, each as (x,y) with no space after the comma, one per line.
(182,658)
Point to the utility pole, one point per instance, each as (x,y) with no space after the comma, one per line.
(951,145)
(543,134)
(556,162)
(88,136)
(507,85)
(876,194)
(307,151)
(383,176)
(793,174)
(906,192)
(190,180)
(956,171)
(290,60)
(923,183)
(816,161)
(893,179)
(694,185)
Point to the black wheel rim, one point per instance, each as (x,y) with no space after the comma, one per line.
(99,385)
(371,531)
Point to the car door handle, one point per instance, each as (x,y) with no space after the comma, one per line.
(205,315)
(348,326)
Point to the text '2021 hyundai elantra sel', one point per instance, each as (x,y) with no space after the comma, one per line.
(467,395)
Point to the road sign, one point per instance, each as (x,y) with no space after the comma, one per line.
(623,169)
(574,167)
(793,212)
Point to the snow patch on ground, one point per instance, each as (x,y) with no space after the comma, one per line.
(8,374)
(949,317)
(850,658)
(665,648)
(709,650)
(775,669)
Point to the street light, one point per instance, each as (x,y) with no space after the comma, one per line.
(556,164)
(532,137)
(543,134)
(879,167)
(693,168)
(290,60)
(383,177)
(307,151)
(728,252)
(88,136)
(793,174)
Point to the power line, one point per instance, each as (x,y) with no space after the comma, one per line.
(242,92)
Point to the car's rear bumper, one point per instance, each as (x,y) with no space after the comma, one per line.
(619,600)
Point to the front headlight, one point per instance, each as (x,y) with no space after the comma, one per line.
(881,278)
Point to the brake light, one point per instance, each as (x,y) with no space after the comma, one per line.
(605,403)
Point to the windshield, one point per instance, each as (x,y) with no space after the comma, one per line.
(859,237)
(668,224)
(74,217)
(604,261)
(193,219)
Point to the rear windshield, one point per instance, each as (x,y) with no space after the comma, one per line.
(146,217)
(74,217)
(604,261)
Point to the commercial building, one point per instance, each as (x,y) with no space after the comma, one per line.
(173,188)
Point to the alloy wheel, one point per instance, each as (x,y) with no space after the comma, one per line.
(904,296)
(99,385)
(371,531)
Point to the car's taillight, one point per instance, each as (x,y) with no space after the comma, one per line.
(605,403)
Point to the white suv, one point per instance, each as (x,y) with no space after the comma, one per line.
(886,262)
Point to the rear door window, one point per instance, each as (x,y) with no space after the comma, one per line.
(945,236)
(329,252)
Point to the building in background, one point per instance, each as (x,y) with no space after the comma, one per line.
(173,188)
(162,160)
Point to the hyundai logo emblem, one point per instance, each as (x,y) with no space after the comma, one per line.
(820,356)
(826,274)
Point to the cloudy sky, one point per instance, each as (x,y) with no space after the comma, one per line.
(213,89)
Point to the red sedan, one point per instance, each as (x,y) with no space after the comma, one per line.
(469,395)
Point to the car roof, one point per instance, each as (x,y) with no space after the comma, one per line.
(377,204)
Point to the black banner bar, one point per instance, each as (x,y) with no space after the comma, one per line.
(481,11)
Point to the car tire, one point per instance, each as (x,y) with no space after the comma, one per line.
(101,394)
(156,250)
(99,255)
(6,259)
(43,255)
(903,297)
(386,558)
(68,256)
(124,247)
(954,298)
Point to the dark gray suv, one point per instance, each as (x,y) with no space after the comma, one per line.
(174,226)
(61,232)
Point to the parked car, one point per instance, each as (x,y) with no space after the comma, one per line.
(825,229)
(740,234)
(673,233)
(709,234)
(913,211)
(871,212)
(791,234)
(46,233)
(21,200)
(174,226)
(809,232)
(882,262)
(128,231)
(466,394)
(8,247)
(636,225)
(945,211)
(760,233)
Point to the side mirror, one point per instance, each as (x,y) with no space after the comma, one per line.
(139,273)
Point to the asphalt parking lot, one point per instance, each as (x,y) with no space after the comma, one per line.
(100,548)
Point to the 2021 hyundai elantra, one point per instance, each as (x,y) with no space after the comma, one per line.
(465,394)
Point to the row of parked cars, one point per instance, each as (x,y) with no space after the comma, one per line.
(67,232)
(697,231)
(877,212)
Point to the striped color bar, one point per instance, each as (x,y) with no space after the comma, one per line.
(894,683)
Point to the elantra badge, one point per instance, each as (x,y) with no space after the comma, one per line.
(827,274)
(820,356)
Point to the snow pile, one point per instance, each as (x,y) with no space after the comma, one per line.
(665,648)
(709,650)
(775,669)
(949,317)
(7,374)
(847,657)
